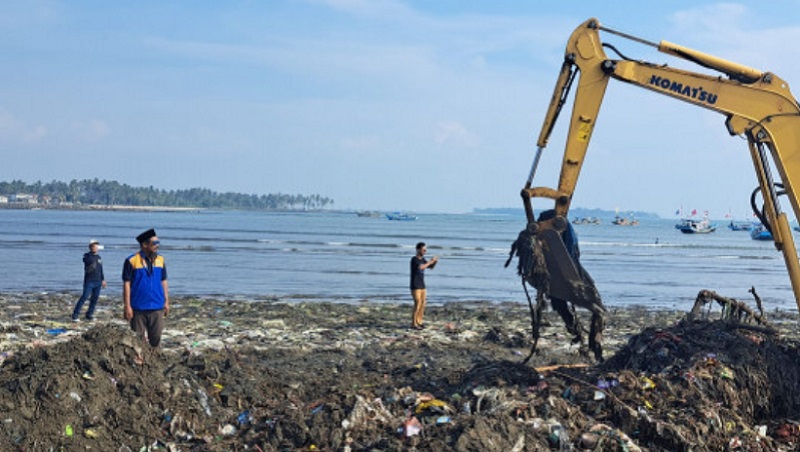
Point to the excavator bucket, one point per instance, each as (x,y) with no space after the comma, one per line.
(564,281)
(568,280)
(546,264)
(548,259)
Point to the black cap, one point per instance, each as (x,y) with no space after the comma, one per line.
(146,235)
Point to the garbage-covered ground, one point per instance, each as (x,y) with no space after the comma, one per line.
(270,375)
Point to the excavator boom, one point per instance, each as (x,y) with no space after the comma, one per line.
(757,105)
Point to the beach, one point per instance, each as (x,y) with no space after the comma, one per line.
(275,374)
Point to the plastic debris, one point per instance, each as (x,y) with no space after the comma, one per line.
(244,418)
(411,427)
(540,386)
(558,436)
(592,438)
(435,405)
(5,355)
(213,344)
(726,373)
(589,440)
(512,399)
(204,401)
(365,412)
(68,430)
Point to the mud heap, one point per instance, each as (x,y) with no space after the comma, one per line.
(692,385)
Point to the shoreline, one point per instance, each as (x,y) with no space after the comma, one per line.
(100,207)
(130,208)
(115,293)
(197,319)
(40,311)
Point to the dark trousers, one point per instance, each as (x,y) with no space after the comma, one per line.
(150,322)
(91,291)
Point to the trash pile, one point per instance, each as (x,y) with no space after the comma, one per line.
(321,376)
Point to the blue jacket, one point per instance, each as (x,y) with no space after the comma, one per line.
(147,293)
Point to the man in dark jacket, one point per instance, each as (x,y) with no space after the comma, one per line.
(93,281)
(418,291)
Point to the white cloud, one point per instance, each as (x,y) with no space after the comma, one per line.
(727,31)
(453,132)
(15,130)
(381,83)
(718,19)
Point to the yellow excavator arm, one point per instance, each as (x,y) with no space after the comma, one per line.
(758,105)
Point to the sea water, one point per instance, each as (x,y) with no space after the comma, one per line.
(341,256)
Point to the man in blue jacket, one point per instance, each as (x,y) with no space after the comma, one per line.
(145,290)
(93,281)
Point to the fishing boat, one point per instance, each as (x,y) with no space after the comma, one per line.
(401,216)
(760,232)
(586,220)
(369,214)
(695,226)
(740,225)
(622,221)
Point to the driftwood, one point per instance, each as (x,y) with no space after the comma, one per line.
(554,367)
(732,310)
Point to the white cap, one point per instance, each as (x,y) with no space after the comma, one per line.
(93,242)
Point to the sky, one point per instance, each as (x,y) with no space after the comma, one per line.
(423,106)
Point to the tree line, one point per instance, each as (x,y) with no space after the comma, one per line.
(106,192)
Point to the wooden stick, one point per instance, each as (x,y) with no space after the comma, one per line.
(544,369)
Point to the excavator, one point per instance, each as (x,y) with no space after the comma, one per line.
(757,105)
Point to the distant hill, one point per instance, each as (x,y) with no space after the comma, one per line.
(578,212)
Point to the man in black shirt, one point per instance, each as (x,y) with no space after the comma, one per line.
(93,281)
(418,266)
